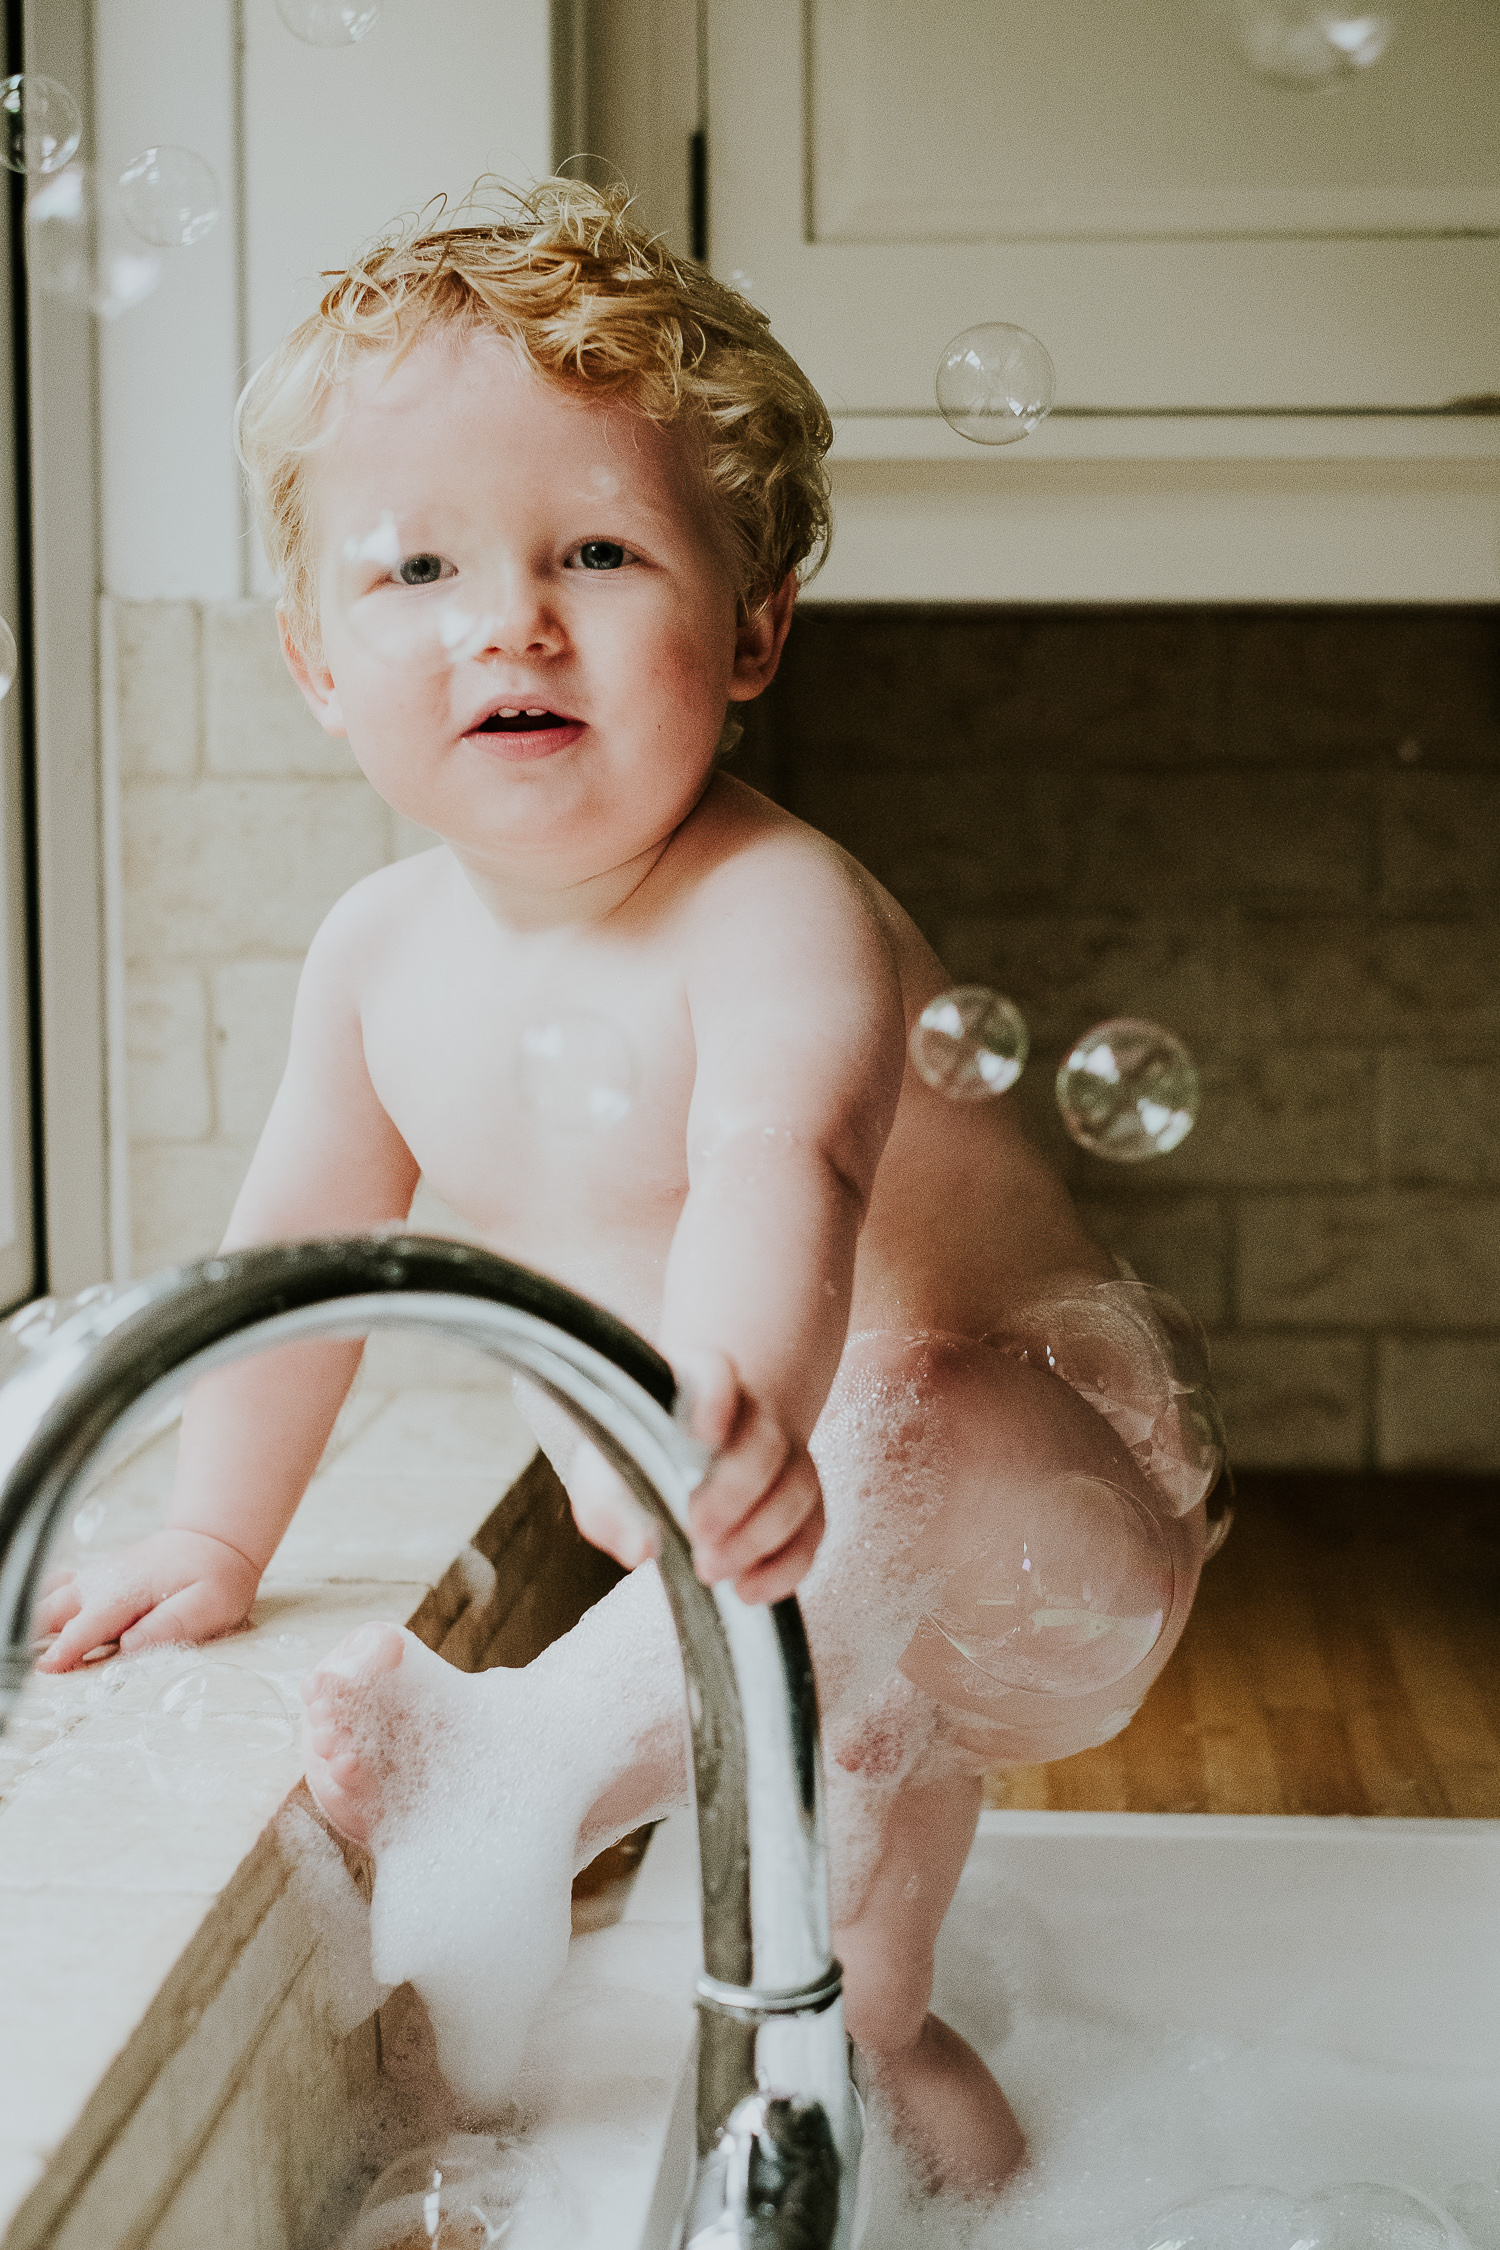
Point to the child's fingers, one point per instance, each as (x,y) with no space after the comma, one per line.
(751,1467)
(56,1606)
(712,1388)
(196,1613)
(778,1575)
(767,1528)
(103,1619)
(605,1511)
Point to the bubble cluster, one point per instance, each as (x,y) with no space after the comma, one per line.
(969,1043)
(576,1070)
(1128,1091)
(1071,1602)
(70,253)
(329,23)
(169,197)
(463,2193)
(1306,48)
(995,383)
(42,123)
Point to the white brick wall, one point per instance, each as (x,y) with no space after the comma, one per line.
(240,822)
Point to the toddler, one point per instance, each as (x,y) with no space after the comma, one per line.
(539,496)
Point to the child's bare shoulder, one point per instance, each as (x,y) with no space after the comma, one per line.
(382,905)
(744,860)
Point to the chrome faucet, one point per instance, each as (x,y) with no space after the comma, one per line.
(778,2122)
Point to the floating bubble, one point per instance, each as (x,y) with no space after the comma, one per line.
(1366,2216)
(169,197)
(1128,1090)
(969,1043)
(1233,2218)
(1307,49)
(70,255)
(1071,1603)
(9,660)
(995,383)
(465,2193)
(329,23)
(36,1324)
(419,594)
(576,1069)
(196,1724)
(42,123)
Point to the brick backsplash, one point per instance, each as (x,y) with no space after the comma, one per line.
(1276,831)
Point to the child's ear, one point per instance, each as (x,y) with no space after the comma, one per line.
(759,640)
(313,677)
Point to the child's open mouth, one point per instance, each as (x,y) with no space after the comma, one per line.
(514,732)
(521,722)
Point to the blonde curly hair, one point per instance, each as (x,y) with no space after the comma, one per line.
(592,303)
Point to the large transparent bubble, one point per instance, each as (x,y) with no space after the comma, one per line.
(468,2192)
(1232,2218)
(42,124)
(1140,1360)
(1068,1603)
(169,197)
(329,23)
(1308,49)
(995,383)
(969,1043)
(1366,2216)
(1129,1090)
(75,254)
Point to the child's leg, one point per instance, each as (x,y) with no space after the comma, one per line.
(949,2108)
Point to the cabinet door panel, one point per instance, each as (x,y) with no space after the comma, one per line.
(1179,234)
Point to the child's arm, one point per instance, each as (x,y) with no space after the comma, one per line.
(329,1162)
(800,1035)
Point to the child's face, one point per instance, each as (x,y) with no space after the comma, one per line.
(579,534)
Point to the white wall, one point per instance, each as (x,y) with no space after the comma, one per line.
(316,149)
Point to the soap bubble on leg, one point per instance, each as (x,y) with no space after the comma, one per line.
(1128,1091)
(995,383)
(169,197)
(329,23)
(969,1043)
(42,123)
(1305,48)
(1068,1603)
(575,1071)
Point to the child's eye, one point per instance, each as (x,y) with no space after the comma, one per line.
(421,570)
(600,554)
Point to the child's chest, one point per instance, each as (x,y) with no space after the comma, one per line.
(543,1099)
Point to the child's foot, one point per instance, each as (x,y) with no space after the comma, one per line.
(354,1712)
(459,1787)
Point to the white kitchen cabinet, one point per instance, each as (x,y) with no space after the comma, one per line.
(1275,316)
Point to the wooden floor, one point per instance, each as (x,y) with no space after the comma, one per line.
(1343,1657)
